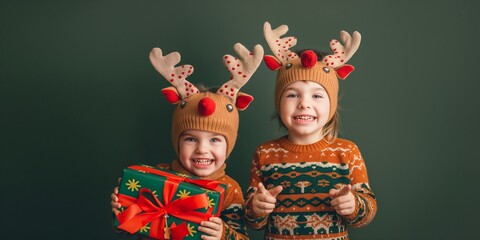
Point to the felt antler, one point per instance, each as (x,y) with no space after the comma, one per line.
(341,54)
(241,69)
(279,46)
(177,76)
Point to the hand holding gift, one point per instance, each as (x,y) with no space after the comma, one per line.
(162,204)
(213,227)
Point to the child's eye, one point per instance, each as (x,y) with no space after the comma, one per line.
(317,96)
(189,139)
(215,140)
(292,95)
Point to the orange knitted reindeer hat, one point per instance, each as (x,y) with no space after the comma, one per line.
(207,111)
(293,68)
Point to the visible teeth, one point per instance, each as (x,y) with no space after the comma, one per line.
(306,118)
(202,161)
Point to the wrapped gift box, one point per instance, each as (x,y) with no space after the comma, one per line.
(164,204)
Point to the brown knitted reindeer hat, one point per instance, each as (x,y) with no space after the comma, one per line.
(207,111)
(293,68)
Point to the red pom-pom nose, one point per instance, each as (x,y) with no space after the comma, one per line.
(309,58)
(206,106)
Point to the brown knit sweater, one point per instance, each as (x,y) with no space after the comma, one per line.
(307,173)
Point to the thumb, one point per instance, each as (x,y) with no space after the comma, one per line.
(275,191)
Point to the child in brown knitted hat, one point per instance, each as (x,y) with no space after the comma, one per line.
(204,130)
(308,184)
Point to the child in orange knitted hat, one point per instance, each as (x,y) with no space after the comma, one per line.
(204,131)
(309,184)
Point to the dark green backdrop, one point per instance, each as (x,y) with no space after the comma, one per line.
(79,101)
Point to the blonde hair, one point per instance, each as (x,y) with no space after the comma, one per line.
(332,128)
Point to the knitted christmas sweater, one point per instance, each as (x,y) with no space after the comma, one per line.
(232,213)
(307,173)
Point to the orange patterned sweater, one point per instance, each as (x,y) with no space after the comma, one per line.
(307,173)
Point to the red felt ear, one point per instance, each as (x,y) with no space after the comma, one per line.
(171,95)
(272,63)
(344,71)
(243,100)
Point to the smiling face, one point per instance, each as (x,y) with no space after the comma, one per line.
(304,110)
(202,153)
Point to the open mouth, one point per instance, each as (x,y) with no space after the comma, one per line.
(304,118)
(202,161)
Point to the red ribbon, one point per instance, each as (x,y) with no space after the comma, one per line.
(147,207)
(178,232)
(208,184)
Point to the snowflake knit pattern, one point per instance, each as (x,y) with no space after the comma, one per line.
(307,173)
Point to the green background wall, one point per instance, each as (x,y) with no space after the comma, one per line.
(79,101)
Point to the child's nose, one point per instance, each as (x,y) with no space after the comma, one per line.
(202,147)
(303,103)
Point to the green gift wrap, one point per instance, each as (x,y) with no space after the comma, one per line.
(164,204)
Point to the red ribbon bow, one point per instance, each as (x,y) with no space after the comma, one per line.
(148,208)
